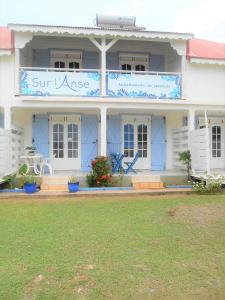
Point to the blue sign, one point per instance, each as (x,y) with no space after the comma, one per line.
(52,83)
(144,85)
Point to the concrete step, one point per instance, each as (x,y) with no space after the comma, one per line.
(147,185)
(54,187)
(145,178)
(55,180)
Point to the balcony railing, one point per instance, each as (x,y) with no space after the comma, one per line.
(83,82)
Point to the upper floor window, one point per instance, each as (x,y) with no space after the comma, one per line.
(134,62)
(66,59)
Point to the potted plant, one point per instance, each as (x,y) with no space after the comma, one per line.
(30,184)
(73,184)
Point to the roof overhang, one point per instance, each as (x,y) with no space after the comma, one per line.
(99,32)
(198,60)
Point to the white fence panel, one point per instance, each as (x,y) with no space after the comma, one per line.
(11,148)
(17,147)
(180,143)
(199,147)
(5,151)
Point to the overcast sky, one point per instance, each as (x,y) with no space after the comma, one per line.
(204,18)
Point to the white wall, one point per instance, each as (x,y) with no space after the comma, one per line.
(205,84)
(6,80)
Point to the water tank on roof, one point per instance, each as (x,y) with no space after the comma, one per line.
(111,21)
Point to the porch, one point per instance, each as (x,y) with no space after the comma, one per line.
(72,139)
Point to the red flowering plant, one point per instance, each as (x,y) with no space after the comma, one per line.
(101,172)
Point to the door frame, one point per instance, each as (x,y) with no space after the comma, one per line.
(214,121)
(65,119)
(137,120)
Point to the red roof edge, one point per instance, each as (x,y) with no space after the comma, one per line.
(198,48)
(6,39)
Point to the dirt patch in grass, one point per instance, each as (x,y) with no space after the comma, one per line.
(201,215)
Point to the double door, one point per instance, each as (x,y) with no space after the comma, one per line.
(65,142)
(136,139)
(217,145)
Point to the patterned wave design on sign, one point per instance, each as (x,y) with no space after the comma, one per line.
(144,85)
(37,83)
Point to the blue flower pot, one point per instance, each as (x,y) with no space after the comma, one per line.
(30,188)
(73,187)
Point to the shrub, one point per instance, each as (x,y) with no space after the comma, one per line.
(101,173)
(209,184)
(185,158)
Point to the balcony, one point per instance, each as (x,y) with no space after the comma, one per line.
(94,83)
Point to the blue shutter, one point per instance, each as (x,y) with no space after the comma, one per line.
(113,134)
(40,134)
(1,120)
(158,149)
(41,58)
(112,61)
(90,60)
(157,63)
(89,140)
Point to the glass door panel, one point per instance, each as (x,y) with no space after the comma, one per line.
(58,140)
(72,140)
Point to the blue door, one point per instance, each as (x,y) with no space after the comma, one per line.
(40,134)
(113,134)
(89,140)
(158,149)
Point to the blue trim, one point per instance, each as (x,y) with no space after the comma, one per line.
(179,186)
(106,189)
(12,191)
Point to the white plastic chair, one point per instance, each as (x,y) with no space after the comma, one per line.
(46,162)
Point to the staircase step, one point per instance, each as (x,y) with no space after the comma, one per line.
(145,178)
(55,180)
(147,185)
(54,187)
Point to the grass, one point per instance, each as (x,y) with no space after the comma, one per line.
(100,248)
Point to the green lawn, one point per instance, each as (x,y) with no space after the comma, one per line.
(122,248)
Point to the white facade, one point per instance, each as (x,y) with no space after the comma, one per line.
(202,89)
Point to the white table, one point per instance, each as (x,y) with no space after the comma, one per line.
(32,162)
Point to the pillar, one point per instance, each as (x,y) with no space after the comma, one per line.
(103,148)
(7,118)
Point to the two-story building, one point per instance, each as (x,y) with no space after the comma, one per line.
(79,92)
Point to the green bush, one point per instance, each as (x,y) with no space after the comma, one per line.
(210,184)
(100,175)
(185,158)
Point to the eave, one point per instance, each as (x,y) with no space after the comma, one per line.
(98,32)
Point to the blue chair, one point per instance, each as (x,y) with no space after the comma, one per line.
(116,162)
(130,164)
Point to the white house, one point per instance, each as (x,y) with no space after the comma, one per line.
(79,92)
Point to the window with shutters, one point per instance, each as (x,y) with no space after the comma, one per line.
(66,59)
(134,62)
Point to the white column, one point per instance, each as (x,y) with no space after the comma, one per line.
(103,143)
(17,70)
(7,118)
(103,67)
(183,73)
(191,119)
(208,144)
(103,47)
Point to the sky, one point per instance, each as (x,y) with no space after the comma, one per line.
(204,18)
